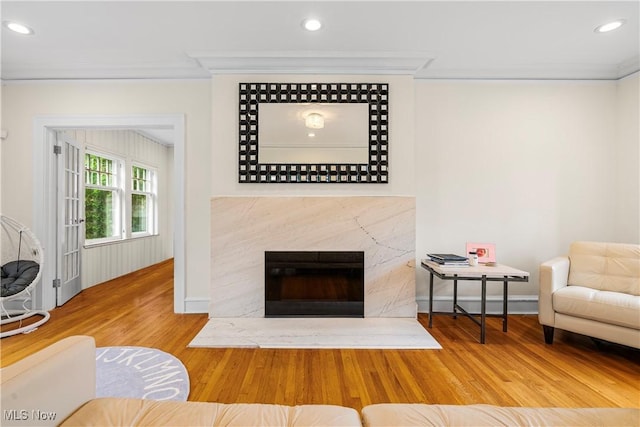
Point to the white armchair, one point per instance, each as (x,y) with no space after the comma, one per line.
(594,291)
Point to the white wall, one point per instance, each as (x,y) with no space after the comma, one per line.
(1,144)
(23,101)
(524,165)
(529,166)
(627,158)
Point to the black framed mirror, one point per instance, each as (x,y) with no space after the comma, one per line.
(313,133)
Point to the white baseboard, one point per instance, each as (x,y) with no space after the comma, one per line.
(520,304)
(196,305)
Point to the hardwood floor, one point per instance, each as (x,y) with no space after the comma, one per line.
(512,369)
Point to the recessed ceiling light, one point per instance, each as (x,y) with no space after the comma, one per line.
(311,24)
(314,121)
(18,28)
(610,26)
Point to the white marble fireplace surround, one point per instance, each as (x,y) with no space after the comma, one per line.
(243,228)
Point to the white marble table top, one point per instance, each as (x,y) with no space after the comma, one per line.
(497,270)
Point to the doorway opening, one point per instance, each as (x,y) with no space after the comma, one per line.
(44,197)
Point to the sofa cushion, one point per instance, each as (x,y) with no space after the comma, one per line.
(604,306)
(417,414)
(605,266)
(53,382)
(137,412)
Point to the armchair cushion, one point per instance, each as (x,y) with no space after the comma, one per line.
(605,266)
(604,306)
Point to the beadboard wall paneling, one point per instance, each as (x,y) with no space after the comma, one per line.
(105,262)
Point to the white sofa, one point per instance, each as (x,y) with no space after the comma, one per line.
(56,387)
(420,414)
(593,291)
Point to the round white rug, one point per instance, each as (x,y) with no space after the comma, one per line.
(140,372)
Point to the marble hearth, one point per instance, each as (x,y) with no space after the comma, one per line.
(243,228)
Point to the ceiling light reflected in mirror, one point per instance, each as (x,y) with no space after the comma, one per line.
(610,26)
(311,24)
(314,121)
(17,27)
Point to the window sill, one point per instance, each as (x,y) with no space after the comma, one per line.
(117,241)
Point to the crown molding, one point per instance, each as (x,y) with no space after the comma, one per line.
(420,65)
(574,71)
(628,67)
(278,62)
(183,69)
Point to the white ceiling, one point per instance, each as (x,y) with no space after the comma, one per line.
(427,39)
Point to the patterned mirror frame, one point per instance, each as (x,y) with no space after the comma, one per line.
(376,95)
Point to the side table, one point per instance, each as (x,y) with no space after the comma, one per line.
(481,273)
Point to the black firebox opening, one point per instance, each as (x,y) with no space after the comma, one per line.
(314,284)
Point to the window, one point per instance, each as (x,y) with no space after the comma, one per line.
(108,202)
(102,197)
(143,194)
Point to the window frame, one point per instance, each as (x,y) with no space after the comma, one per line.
(152,200)
(115,188)
(122,189)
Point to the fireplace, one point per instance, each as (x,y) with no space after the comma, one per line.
(314,284)
(243,228)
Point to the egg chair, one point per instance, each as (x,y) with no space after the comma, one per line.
(21,256)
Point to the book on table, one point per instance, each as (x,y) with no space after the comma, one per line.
(449,260)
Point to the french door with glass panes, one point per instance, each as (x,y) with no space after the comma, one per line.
(70,218)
